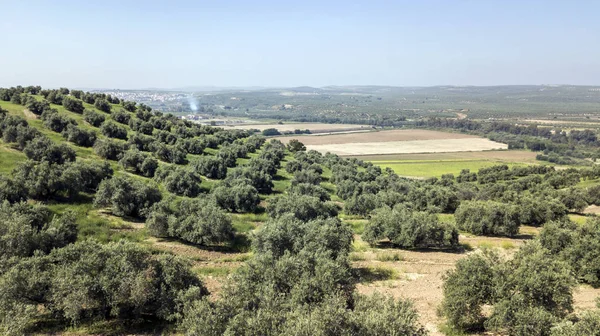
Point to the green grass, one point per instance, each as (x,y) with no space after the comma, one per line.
(389,256)
(435,168)
(10,159)
(357,225)
(578,219)
(213,271)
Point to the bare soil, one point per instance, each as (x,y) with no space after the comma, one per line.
(381,136)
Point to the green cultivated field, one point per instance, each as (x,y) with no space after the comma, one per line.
(436,168)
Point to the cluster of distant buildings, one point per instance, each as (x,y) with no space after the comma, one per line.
(146,96)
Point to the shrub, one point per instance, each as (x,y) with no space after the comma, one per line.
(197,221)
(487,218)
(121,117)
(102,105)
(43,149)
(304,208)
(241,197)
(88,280)
(183,182)
(139,162)
(112,130)
(407,228)
(309,190)
(170,154)
(79,136)
(26,228)
(73,104)
(126,196)
(109,149)
(93,118)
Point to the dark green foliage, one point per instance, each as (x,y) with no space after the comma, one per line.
(141,126)
(309,190)
(110,149)
(37,107)
(93,118)
(588,324)
(121,117)
(91,281)
(126,196)
(43,180)
(197,221)
(295,146)
(92,173)
(141,142)
(102,105)
(170,154)
(528,293)
(270,132)
(43,149)
(577,245)
(11,191)
(304,208)
(467,288)
(409,229)
(258,179)
(128,105)
(139,162)
(73,104)
(487,218)
(55,121)
(307,176)
(79,136)
(113,130)
(361,205)
(536,211)
(210,167)
(183,182)
(25,228)
(240,197)
(289,234)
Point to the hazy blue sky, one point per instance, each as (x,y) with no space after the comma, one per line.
(138,44)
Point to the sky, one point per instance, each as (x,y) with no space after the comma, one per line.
(130,44)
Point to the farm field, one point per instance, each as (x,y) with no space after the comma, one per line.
(436,168)
(519,156)
(412,146)
(380,136)
(313,127)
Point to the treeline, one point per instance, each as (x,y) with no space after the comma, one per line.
(555,145)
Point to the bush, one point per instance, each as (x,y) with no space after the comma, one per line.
(409,229)
(44,180)
(289,234)
(257,178)
(79,136)
(43,149)
(26,228)
(183,182)
(241,197)
(72,104)
(121,117)
(126,196)
(305,208)
(270,132)
(11,191)
(487,218)
(102,105)
(56,122)
(112,130)
(110,149)
(361,205)
(93,281)
(170,154)
(139,162)
(309,190)
(93,118)
(197,221)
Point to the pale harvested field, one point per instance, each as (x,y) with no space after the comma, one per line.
(412,146)
(313,127)
(504,156)
(381,136)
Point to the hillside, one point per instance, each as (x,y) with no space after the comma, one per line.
(118,219)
